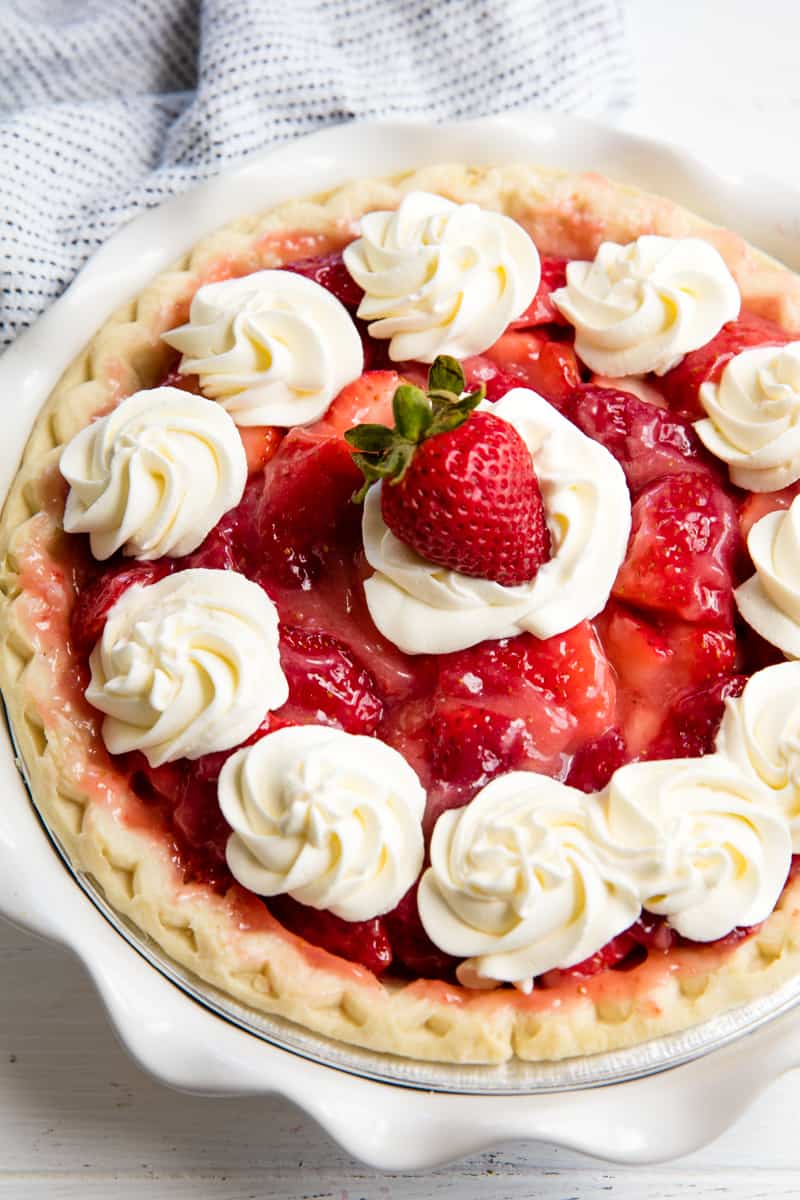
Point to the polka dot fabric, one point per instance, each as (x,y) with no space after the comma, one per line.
(108,109)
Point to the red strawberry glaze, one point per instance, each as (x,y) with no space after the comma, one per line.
(366,942)
(692,722)
(281,248)
(368,398)
(542,310)
(329,271)
(412,948)
(760,504)
(656,661)
(681,385)
(682,551)
(636,682)
(480,370)
(647,441)
(596,761)
(537,361)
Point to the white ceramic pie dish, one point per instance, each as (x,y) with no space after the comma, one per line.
(183,1042)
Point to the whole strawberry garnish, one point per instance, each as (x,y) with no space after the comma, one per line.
(460,485)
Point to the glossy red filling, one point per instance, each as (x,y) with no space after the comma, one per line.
(647,679)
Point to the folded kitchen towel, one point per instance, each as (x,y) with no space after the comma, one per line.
(110,106)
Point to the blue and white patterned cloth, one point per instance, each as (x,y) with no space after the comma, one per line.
(108,107)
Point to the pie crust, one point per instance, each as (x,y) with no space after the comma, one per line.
(231,941)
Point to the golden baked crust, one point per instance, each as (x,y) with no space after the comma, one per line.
(231,941)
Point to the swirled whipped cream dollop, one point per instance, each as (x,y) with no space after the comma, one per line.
(516,884)
(701,840)
(273,348)
(154,476)
(760,732)
(753,421)
(331,818)
(425,608)
(441,278)
(187,666)
(642,306)
(770,600)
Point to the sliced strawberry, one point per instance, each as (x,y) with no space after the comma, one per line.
(699,652)
(364,942)
(682,550)
(329,271)
(596,761)
(481,370)
(549,367)
(682,384)
(760,504)
(242,526)
(736,935)
(517,703)
(167,782)
(471,745)
(691,726)
(570,670)
(407,729)
(368,398)
(306,506)
(542,310)
(611,955)
(656,660)
(646,441)
(208,766)
(659,657)
(327,683)
(652,931)
(260,444)
(216,553)
(334,603)
(574,668)
(187,804)
(94,601)
(639,651)
(411,946)
(649,934)
(186,383)
(198,819)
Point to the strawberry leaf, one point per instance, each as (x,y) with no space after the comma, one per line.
(446,375)
(370,439)
(412,412)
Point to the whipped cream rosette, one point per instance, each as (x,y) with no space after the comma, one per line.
(700,839)
(770,600)
(425,608)
(518,885)
(441,278)
(187,666)
(760,732)
(753,421)
(640,307)
(273,347)
(154,476)
(331,818)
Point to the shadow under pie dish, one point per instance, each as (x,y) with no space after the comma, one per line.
(640,677)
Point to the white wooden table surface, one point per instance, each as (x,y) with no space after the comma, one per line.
(79,1120)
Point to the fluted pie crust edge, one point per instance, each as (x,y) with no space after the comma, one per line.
(229,941)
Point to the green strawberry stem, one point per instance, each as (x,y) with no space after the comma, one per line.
(385,453)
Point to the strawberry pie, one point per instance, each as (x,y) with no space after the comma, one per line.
(401,614)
